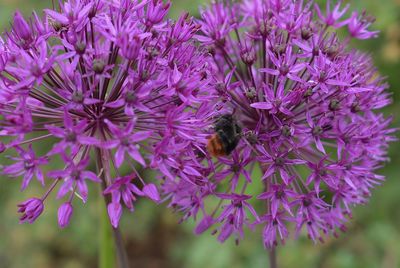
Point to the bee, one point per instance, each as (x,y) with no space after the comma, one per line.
(226,137)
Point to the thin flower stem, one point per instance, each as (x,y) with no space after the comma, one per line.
(106,245)
(104,175)
(50,189)
(272,258)
(121,252)
(34,139)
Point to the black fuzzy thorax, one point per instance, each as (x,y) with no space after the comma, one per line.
(228,131)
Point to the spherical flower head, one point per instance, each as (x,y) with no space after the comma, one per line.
(304,107)
(106,82)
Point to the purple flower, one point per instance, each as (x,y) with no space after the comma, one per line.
(150,190)
(236,168)
(125,142)
(28,165)
(132,101)
(277,162)
(332,16)
(39,64)
(26,35)
(279,195)
(114,210)
(234,216)
(216,24)
(64,214)
(72,135)
(358,26)
(311,134)
(31,209)
(156,11)
(73,14)
(125,188)
(183,29)
(105,85)
(204,224)
(275,229)
(285,65)
(21,28)
(74,176)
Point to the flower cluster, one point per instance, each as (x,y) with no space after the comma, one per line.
(117,82)
(113,81)
(311,136)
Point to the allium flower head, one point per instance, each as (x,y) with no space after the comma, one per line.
(111,82)
(311,134)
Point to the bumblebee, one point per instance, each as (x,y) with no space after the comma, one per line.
(226,136)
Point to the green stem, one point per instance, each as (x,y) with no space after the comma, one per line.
(106,244)
(272,258)
(119,249)
(121,252)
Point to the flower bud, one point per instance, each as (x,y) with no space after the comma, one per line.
(21,27)
(203,225)
(64,214)
(31,209)
(150,190)
(98,66)
(114,212)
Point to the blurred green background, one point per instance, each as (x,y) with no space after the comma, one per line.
(154,238)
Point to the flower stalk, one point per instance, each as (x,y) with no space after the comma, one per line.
(272,258)
(106,244)
(105,255)
(122,257)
